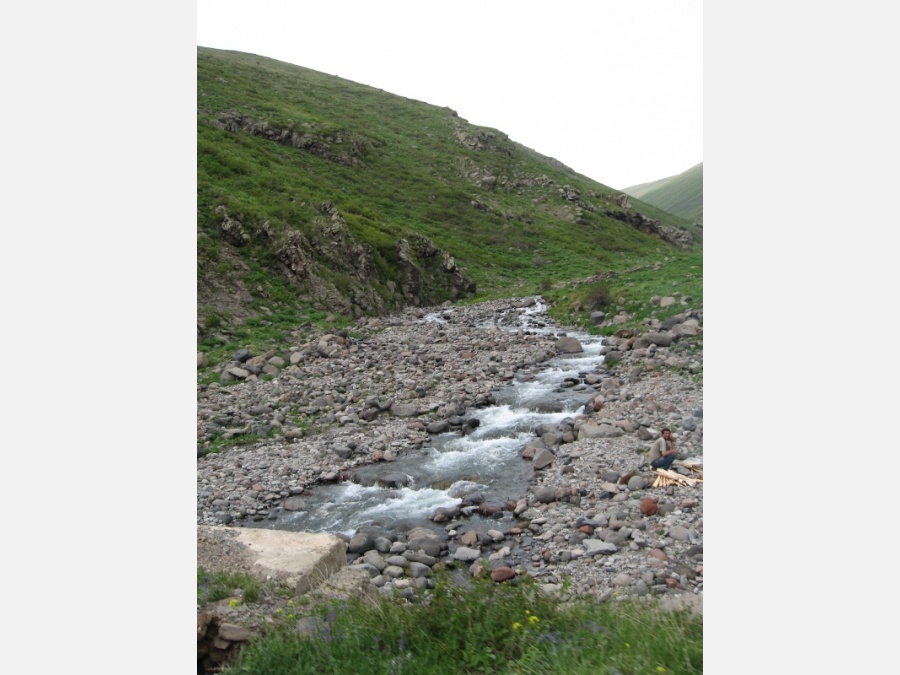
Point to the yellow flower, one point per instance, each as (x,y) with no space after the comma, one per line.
(528,611)
(291,602)
(660,669)
(517,625)
(233,602)
(533,619)
(278,611)
(290,617)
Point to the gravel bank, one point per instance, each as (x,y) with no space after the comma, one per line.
(591,524)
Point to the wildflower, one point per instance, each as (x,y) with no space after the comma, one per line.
(290,617)
(533,619)
(233,603)
(660,669)
(517,625)
(290,602)
(278,611)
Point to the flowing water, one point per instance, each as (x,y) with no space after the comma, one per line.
(488,459)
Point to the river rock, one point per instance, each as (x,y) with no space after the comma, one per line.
(648,506)
(294,504)
(500,574)
(429,545)
(596,546)
(679,533)
(419,570)
(404,410)
(543,495)
(636,483)
(542,458)
(437,427)
(393,480)
(595,430)
(568,345)
(361,542)
(466,554)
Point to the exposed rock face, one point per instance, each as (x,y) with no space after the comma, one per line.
(350,153)
(621,200)
(232,229)
(672,235)
(475,138)
(338,272)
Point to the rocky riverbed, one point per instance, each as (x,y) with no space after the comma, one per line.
(589,525)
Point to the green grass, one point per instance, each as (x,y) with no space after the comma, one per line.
(417,179)
(219,443)
(275,331)
(676,275)
(484,628)
(212,587)
(681,195)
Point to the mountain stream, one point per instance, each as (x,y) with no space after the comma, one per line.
(487,458)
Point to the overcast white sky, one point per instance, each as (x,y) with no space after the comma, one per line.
(612,89)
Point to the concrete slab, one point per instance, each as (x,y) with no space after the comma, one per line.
(301,559)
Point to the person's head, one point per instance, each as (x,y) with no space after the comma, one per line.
(667,433)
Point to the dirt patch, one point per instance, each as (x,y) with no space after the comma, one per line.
(220,551)
(224,290)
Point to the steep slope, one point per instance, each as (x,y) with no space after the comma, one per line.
(681,195)
(316,194)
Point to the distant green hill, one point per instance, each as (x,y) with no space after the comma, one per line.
(319,195)
(681,195)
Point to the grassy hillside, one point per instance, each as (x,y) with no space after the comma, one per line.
(681,195)
(318,196)
(638,191)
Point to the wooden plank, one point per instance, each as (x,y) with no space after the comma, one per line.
(676,476)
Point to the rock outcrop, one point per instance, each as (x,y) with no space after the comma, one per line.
(336,271)
(351,151)
(669,234)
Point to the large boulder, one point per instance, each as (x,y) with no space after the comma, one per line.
(542,458)
(404,410)
(594,430)
(568,345)
(658,339)
(689,328)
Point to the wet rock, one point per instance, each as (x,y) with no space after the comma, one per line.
(568,345)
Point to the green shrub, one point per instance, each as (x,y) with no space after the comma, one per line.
(599,295)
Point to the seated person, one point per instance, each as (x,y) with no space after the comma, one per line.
(662,451)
